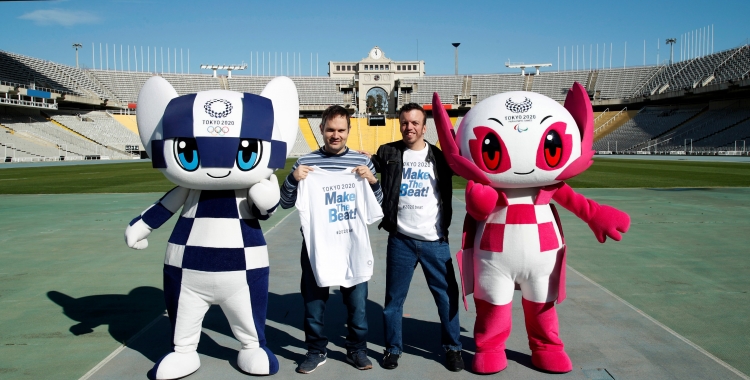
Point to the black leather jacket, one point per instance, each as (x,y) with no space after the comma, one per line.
(388,162)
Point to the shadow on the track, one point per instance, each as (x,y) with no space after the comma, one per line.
(127,314)
(421,338)
(124,314)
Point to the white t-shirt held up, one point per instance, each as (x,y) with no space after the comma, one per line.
(335,209)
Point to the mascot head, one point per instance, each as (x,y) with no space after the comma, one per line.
(524,139)
(218,139)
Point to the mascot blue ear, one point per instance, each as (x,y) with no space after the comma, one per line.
(283,95)
(153,99)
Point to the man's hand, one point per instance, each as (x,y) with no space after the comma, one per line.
(365,172)
(366,153)
(301,172)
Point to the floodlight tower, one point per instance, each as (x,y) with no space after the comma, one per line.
(77,46)
(670,42)
(455,45)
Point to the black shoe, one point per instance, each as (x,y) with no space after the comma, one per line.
(359,360)
(312,361)
(453,361)
(390,360)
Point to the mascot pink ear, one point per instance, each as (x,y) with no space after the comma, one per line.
(578,104)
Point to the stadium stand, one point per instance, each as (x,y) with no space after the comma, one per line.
(40,74)
(734,137)
(666,129)
(484,86)
(702,129)
(431,134)
(123,83)
(50,134)
(307,133)
(128,121)
(447,88)
(101,128)
(315,127)
(556,85)
(649,123)
(311,90)
(190,83)
(657,129)
(320,90)
(721,67)
(621,83)
(22,145)
(300,147)
(253,85)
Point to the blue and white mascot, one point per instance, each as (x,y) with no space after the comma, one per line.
(221,149)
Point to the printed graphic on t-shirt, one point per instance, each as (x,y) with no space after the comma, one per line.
(342,202)
(416,180)
(418,211)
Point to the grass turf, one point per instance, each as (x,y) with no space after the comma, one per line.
(139,177)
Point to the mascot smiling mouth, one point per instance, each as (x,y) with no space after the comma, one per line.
(532,170)
(225,175)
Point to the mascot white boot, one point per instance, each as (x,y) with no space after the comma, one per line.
(221,149)
(516,149)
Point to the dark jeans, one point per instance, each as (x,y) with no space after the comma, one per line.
(315,297)
(403,255)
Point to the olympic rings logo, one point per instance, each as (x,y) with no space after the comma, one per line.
(217,131)
(208,107)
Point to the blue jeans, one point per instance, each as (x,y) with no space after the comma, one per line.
(315,298)
(403,255)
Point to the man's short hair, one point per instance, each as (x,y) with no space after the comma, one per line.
(334,111)
(413,106)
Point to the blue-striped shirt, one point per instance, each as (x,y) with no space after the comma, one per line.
(330,162)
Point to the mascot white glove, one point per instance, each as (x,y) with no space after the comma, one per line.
(265,194)
(135,235)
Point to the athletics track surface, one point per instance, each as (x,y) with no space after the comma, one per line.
(669,301)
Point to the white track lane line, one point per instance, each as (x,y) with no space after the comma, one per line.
(650,318)
(677,335)
(114,353)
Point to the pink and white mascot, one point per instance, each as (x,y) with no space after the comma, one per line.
(516,149)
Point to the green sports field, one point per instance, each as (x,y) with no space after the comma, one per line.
(139,177)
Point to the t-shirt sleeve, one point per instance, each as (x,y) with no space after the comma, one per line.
(301,202)
(372,206)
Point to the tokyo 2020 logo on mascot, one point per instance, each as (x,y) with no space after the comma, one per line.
(516,149)
(221,149)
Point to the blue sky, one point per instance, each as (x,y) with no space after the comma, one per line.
(490,32)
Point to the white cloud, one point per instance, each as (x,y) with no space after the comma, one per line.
(60,17)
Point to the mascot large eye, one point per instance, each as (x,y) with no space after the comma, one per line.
(248,154)
(491,151)
(488,151)
(186,152)
(553,148)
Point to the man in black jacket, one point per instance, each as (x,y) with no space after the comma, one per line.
(417,191)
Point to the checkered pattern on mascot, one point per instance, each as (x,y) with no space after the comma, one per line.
(516,149)
(221,149)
